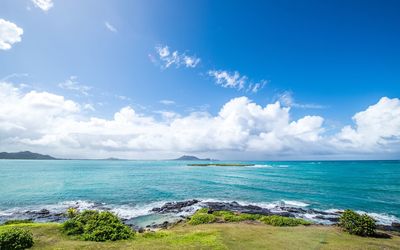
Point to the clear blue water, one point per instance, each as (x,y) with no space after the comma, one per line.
(371,186)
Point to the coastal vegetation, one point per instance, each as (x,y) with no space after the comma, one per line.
(205,216)
(358,224)
(205,229)
(96,226)
(15,238)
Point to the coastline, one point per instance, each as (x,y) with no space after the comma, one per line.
(164,214)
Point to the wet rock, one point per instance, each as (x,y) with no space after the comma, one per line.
(331,219)
(388,227)
(236,207)
(396,225)
(174,207)
(294,210)
(43,212)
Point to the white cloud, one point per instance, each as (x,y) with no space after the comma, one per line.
(235,80)
(167,102)
(167,58)
(49,123)
(190,61)
(89,106)
(227,79)
(110,27)
(376,128)
(123,98)
(44,5)
(73,84)
(286,98)
(255,87)
(10,33)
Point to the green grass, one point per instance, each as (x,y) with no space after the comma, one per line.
(242,235)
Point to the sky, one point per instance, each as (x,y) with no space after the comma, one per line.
(240,80)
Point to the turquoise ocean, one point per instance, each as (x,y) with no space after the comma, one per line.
(132,188)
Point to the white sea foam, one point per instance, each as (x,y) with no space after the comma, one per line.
(291,203)
(129,212)
(260,166)
(383,219)
(282,166)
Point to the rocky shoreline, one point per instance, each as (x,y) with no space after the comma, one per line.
(183,210)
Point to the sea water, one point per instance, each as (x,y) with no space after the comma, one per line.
(132,188)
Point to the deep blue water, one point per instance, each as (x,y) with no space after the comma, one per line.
(371,186)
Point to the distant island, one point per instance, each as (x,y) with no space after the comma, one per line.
(25,155)
(192,158)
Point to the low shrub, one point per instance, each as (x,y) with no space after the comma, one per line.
(11,222)
(250,216)
(354,223)
(280,221)
(72,212)
(15,239)
(202,218)
(97,226)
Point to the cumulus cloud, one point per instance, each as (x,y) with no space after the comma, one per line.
(169,58)
(73,84)
(376,128)
(235,80)
(44,5)
(10,33)
(50,123)
(110,27)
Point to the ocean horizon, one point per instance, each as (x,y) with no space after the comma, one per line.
(132,188)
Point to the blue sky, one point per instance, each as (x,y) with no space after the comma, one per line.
(328,58)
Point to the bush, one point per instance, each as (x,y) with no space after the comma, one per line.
(72,212)
(250,216)
(97,226)
(202,218)
(280,221)
(354,223)
(15,239)
(229,216)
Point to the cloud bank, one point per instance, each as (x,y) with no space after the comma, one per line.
(242,129)
(10,33)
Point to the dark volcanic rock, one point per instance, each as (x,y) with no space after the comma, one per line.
(331,219)
(392,227)
(236,207)
(174,207)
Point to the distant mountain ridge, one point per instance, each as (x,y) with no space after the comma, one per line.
(191,158)
(25,155)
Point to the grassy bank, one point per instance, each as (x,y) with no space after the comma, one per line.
(217,236)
